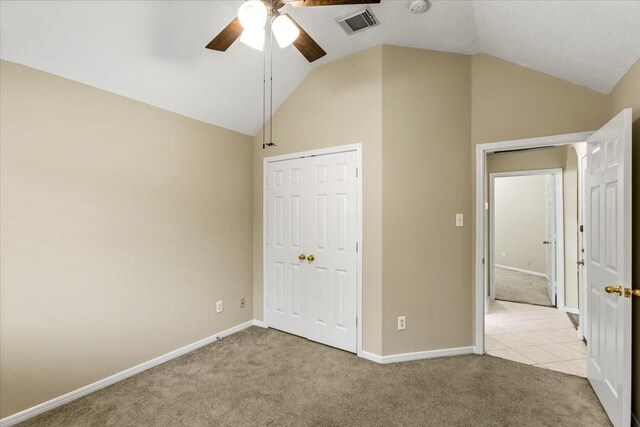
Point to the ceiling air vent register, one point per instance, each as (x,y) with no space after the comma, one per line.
(358,21)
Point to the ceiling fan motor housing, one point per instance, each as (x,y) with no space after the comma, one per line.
(419,6)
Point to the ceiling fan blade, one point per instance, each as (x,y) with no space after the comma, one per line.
(309,3)
(226,37)
(306,45)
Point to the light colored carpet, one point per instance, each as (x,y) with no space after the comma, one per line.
(521,287)
(269,378)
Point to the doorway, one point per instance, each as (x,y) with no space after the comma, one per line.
(607,260)
(312,262)
(526,237)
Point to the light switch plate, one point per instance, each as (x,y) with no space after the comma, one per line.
(459,220)
(219,306)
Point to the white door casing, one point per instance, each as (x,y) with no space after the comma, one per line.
(582,271)
(608,263)
(312,208)
(551,237)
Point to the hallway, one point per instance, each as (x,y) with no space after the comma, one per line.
(535,335)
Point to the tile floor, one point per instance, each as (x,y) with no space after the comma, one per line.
(535,335)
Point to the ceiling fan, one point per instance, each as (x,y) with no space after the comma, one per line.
(249,26)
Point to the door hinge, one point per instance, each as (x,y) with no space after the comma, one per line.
(482,261)
(356,172)
(356,321)
(356,246)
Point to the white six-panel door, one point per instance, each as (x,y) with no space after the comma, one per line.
(312,213)
(286,295)
(608,263)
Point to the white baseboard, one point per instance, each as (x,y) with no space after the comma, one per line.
(83,391)
(634,421)
(418,355)
(521,270)
(259,323)
(371,356)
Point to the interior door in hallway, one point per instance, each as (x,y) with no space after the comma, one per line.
(551,238)
(311,252)
(608,264)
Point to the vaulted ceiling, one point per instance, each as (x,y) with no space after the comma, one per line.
(153,51)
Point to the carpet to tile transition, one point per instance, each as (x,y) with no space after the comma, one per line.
(521,287)
(265,377)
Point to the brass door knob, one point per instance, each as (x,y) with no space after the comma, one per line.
(546,242)
(613,290)
(302,257)
(628,292)
(310,258)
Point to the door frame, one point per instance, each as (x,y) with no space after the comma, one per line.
(582,274)
(559,214)
(480,214)
(265,222)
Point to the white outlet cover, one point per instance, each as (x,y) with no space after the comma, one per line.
(219,306)
(402,323)
(459,220)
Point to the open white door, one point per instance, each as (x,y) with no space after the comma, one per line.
(551,239)
(608,264)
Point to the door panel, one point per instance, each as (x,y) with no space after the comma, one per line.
(312,209)
(332,241)
(286,215)
(608,219)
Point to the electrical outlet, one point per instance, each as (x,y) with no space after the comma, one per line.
(243,302)
(402,323)
(459,220)
(219,306)
(504,254)
(528,262)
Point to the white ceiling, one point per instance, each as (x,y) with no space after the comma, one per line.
(153,51)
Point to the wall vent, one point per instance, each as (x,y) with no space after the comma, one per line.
(358,21)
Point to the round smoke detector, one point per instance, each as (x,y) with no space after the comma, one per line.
(419,6)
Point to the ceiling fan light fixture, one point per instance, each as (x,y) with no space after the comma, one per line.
(252,14)
(253,37)
(284,30)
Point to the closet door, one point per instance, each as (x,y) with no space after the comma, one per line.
(286,293)
(332,234)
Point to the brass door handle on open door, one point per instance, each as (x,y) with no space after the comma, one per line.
(614,290)
(310,258)
(546,242)
(302,257)
(628,292)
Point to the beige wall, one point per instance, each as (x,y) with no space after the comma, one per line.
(425,161)
(121,225)
(547,158)
(626,94)
(512,102)
(520,222)
(338,103)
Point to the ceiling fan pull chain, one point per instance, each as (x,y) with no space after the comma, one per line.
(264,98)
